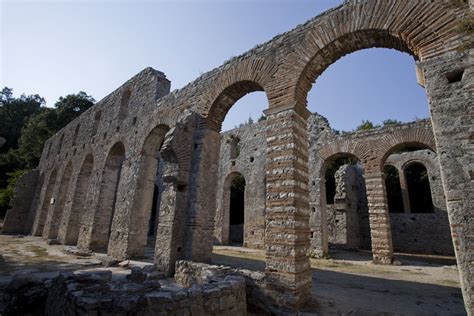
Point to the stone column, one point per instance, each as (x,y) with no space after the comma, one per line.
(202,190)
(450,88)
(287,235)
(404,190)
(169,234)
(379,219)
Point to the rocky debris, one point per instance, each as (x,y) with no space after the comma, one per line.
(26,295)
(137,275)
(76,252)
(52,242)
(86,294)
(108,261)
(124,264)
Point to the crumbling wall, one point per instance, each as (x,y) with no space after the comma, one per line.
(250,162)
(343,216)
(18,219)
(426,233)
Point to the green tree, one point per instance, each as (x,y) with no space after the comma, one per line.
(71,106)
(366,125)
(34,134)
(6,194)
(391,122)
(35,125)
(13,114)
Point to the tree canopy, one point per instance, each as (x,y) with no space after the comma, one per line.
(25,124)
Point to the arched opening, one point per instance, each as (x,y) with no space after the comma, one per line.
(393,188)
(237,210)
(234,143)
(422,227)
(419,191)
(76,133)
(60,145)
(96,123)
(240,105)
(60,203)
(104,213)
(344,201)
(147,203)
(124,103)
(79,201)
(43,210)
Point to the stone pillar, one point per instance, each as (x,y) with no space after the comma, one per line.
(202,190)
(169,234)
(287,235)
(404,190)
(450,89)
(379,219)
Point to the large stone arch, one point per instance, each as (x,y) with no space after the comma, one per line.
(142,203)
(42,211)
(56,211)
(69,233)
(105,210)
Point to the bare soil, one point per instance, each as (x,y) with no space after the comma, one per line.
(350,284)
(346,284)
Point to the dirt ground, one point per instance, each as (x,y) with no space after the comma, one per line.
(347,284)
(350,284)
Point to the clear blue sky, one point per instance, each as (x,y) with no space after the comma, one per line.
(54,48)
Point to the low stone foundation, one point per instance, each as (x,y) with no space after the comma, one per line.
(100,294)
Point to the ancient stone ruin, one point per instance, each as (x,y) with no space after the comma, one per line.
(146,167)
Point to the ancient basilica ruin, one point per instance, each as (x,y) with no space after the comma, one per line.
(147,170)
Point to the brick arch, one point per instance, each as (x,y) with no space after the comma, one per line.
(241,78)
(359,150)
(428,163)
(391,142)
(421,28)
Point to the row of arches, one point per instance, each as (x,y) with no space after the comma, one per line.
(286,71)
(79,207)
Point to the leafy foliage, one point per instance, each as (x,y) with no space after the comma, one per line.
(26,124)
(6,194)
(366,125)
(14,112)
(391,122)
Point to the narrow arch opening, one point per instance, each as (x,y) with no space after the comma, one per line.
(96,123)
(237,210)
(124,104)
(105,211)
(76,133)
(58,210)
(345,203)
(146,207)
(79,201)
(393,189)
(419,188)
(46,203)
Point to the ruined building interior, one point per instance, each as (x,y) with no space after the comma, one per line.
(147,173)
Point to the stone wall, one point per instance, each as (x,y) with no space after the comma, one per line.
(344,216)
(18,219)
(285,68)
(413,232)
(250,163)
